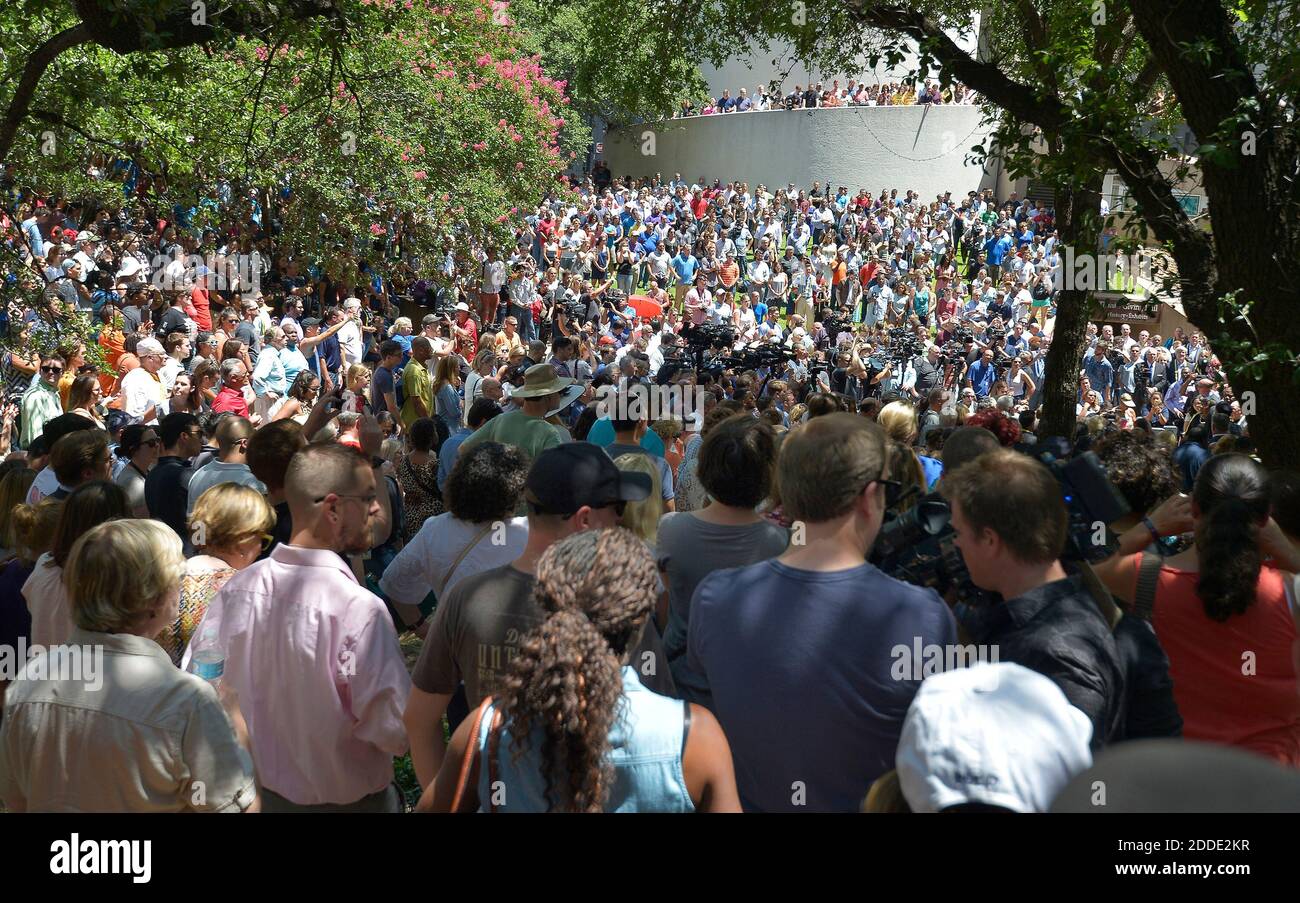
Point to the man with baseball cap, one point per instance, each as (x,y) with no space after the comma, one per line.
(527,427)
(142,388)
(475,632)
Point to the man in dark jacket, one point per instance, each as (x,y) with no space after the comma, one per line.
(166,488)
(1011,526)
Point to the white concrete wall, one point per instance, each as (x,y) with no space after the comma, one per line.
(759,67)
(921,147)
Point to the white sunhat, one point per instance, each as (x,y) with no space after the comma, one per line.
(997,734)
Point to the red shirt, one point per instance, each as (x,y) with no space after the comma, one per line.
(202,314)
(467,348)
(1257,711)
(232,400)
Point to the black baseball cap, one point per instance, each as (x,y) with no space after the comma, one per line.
(569,476)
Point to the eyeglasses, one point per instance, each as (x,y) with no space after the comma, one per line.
(51,369)
(265,539)
(368,499)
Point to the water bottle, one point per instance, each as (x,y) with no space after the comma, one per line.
(208,660)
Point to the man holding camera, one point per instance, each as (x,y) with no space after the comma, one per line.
(520,290)
(1011,528)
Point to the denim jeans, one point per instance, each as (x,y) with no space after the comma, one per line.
(527,329)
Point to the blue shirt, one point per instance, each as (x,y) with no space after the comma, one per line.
(447,455)
(1100,372)
(685,265)
(1188,458)
(807,677)
(646,740)
(997,248)
(981,376)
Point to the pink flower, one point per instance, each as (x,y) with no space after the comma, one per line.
(376,229)
(481,146)
(519,166)
(446,198)
(284,110)
(419,175)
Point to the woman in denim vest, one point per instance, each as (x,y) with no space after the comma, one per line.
(577,731)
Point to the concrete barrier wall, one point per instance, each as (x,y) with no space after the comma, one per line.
(922,147)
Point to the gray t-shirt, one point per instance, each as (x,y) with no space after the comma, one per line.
(689,550)
(478,628)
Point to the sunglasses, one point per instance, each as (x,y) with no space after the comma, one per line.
(51,369)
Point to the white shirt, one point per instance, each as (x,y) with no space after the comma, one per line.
(47,600)
(423,564)
(350,342)
(169,372)
(141,389)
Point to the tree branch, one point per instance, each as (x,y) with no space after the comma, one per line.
(37,63)
(1018,99)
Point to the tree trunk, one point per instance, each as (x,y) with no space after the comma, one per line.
(1078,219)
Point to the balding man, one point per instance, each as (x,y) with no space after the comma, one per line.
(312,654)
(231,465)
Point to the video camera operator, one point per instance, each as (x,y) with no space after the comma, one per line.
(929,371)
(1011,529)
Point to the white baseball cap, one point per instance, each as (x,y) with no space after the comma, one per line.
(997,734)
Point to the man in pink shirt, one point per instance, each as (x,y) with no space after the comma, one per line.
(697,302)
(312,654)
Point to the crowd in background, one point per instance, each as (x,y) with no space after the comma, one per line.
(245,483)
(819,94)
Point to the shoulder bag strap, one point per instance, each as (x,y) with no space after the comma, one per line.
(466,763)
(463,552)
(494,743)
(1148,578)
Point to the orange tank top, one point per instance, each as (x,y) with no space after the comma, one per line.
(1234,682)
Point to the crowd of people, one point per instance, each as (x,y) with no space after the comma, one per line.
(854,93)
(253,478)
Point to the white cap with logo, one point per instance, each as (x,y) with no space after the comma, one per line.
(998,734)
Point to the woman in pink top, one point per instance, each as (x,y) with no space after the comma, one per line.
(1223,616)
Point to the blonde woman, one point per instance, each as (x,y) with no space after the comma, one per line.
(230,526)
(124,579)
(485,365)
(401,333)
(357,380)
(446,393)
(642,518)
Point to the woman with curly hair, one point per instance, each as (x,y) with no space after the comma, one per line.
(574,730)
(1218,599)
